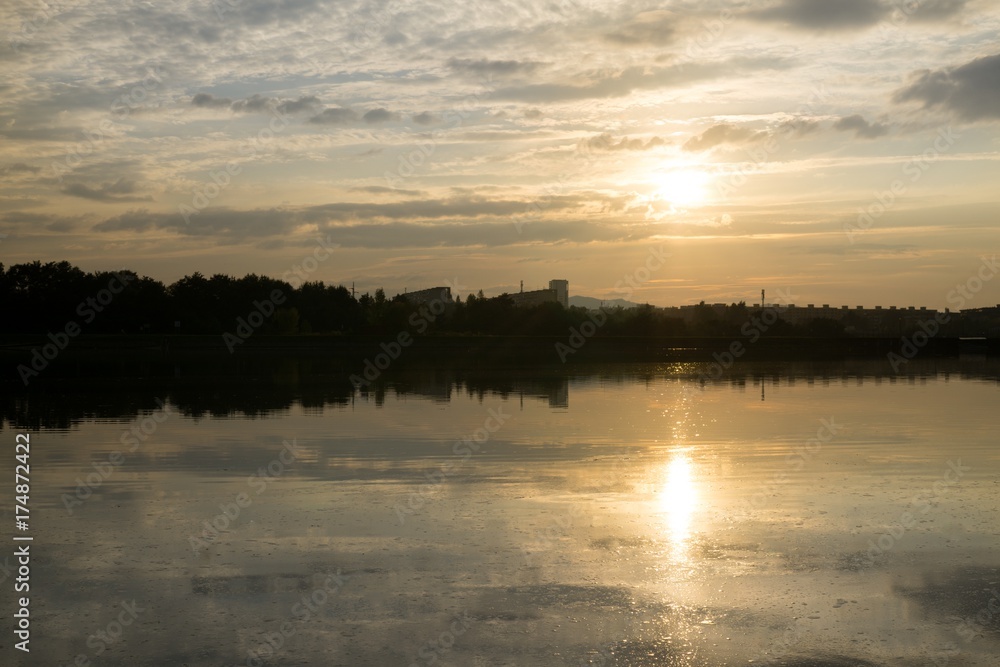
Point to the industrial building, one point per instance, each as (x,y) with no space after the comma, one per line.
(866,321)
(424,296)
(557,292)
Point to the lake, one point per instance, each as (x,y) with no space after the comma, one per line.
(813,514)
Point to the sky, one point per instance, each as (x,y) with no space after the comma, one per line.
(665,152)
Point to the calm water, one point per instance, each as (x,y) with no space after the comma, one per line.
(626,517)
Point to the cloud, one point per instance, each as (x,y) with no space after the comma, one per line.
(49,101)
(970,91)
(799,126)
(862,128)
(253,104)
(492,68)
(483,234)
(425,118)
(19,168)
(261,12)
(304,103)
(605,142)
(259,226)
(379,115)
(723,133)
(335,116)
(29,218)
(257,103)
(604,84)
(935,10)
(653,28)
(458,212)
(533,114)
(120,191)
(345,116)
(43,133)
(61,226)
(383,190)
(53,110)
(823,14)
(209,101)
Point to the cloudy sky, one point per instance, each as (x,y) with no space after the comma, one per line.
(846,151)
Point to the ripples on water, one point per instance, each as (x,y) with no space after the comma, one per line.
(812,514)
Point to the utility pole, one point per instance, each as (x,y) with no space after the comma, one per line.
(762,298)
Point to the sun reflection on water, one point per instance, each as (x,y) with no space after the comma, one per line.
(678,500)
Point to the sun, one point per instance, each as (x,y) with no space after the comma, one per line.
(683,187)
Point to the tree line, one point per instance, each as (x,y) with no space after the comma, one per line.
(41,297)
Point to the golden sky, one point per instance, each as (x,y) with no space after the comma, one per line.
(844,151)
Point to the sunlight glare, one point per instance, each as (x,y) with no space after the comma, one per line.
(683,188)
(679,498)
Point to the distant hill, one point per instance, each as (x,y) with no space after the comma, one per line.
(593,304)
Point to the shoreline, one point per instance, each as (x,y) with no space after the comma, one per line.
(15,344)
(367,358)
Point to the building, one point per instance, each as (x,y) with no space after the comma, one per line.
(534,297)
(425,296)
(857,320)
(558,292)
(561,288)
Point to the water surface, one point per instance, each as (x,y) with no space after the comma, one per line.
(616,516)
